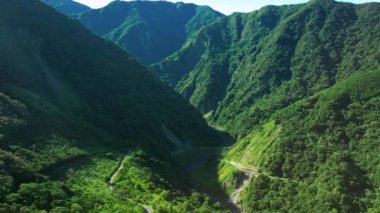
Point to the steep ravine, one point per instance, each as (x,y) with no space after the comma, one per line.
(248,174)
(234,197)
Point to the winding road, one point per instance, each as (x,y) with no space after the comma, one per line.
(111,182)
(234,197)
(147,209)
(249,172)
(254,172)
(243,168)
(120,166)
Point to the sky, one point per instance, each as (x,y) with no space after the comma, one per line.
(225,6)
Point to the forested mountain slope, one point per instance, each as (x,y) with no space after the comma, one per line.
(149,30)
(71,104)
(320,154)
(85,127)
(298,86)
(246,66)
(68,7)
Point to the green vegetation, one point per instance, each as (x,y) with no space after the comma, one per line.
(149,30)
(246,66)
(85,127)
(144,180)
(229,177)
(150,181)
(202,169)
(68,101)
(298,87)
(326,144)
(68,7)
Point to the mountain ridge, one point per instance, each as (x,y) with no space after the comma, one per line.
(138,28)
(217,78)
(71,104)
(297,86)
(68,7)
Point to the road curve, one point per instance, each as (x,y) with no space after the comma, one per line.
(234,197)
(147,209)
(243,168)
(249,172)
(111,182)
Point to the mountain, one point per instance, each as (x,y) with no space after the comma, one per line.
(319,154)
(84,127)
(68,7)
(298,87)
(75,110)
(149,30)
(246,66)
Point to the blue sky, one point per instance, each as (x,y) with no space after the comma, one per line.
(225,6)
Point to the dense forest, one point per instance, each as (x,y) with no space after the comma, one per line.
(298,87)
(86,127)
(246,66)
(72,105)
(319,154)
(149,30)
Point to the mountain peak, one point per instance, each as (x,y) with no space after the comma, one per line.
(68,7)
(322,2)
(150,30)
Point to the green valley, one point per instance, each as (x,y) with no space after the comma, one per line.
(68,114)
(276,110)
(297,86)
